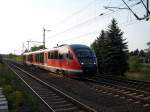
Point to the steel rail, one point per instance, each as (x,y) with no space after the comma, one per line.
(129,93)
(74,101)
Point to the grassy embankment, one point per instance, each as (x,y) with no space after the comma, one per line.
(138,71)
(17,94)
(16,57)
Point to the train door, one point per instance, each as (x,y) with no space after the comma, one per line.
(63,62)
(45,58)
(66,61)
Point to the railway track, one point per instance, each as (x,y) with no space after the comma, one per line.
(54,99)
(140,85)
(123,92)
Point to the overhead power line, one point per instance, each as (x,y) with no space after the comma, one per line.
(82,23)
(136,16)
(82,35)
(75,13)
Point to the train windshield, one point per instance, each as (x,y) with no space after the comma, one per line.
(85,55)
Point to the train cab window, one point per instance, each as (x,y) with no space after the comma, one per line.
(60,56)
(69,56)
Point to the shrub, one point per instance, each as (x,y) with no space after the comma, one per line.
(134,64)
(7,89)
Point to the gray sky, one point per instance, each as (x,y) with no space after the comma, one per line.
(70,22)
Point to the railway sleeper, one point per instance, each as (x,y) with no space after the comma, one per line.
(127,92)
(49,96)
(147,98)
(45,92)
(41,89)
(132,94)
(55,99)
(56,102)
(71,109)
(141,95)
(64,105)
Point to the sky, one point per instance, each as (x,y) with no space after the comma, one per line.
(69,22)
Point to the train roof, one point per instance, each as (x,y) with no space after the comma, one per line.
(73,46)
(78,46)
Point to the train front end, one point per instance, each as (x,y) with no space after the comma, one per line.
(86,58)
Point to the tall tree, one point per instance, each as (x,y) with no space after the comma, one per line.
(136,52)
(100,49)
(142,53)
(117,55)
(112,51)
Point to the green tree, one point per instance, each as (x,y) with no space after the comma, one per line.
(35,48)
(136,52)
(100,48)
(142,53)
(111,50)
(134,64)
(148,53)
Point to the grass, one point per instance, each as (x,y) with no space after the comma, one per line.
(143,73)
(18,96)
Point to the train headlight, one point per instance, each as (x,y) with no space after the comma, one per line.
(82,63)
(94,63)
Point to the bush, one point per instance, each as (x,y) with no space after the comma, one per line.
(134,64)
(7,89)
(15,92)
(145,68)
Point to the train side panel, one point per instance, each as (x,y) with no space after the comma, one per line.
(74,60)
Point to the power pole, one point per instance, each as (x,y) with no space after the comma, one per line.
(22,47)
(44,36)
(32,42)
(28,45)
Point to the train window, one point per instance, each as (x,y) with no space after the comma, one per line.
(69,56)
(41,57)
(52,55)
(60,56)
(30,58)
(55,54)
(49,55)
(82,53)
(36,57)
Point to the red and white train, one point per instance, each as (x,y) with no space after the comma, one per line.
(74,60)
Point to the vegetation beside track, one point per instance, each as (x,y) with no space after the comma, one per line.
(17,94)
(15,57)
(138,70)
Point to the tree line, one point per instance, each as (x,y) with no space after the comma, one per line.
(113,56)
(111,50)
(142,55)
